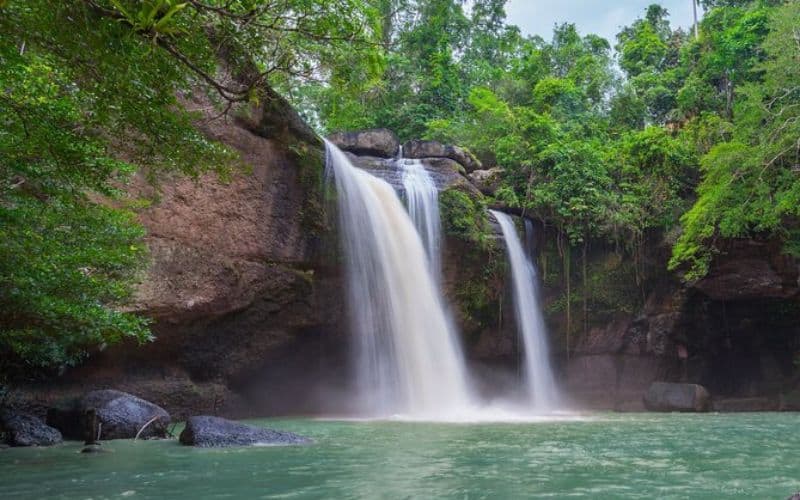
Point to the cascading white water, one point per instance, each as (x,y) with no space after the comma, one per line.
(539,379)
(408,357)
(529,239)
(422,198)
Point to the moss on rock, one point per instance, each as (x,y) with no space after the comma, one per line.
(464,217)
(476,267)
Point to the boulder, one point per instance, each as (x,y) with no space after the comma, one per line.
(447,174)
(433,149)
(22,429)
(120,416)
(664,396)
(374,142)
(487,181)
(214,432)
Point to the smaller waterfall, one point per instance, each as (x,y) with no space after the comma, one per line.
(422,198)
(529,243)
(539,379)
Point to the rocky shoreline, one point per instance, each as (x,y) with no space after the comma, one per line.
(109,414)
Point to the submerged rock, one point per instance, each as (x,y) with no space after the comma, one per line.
(120,416)
(94,448)
(214,432)
(664,396)
(374,142)
(22,429)
(433,149)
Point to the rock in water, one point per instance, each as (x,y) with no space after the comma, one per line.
(663,396)
(22,429)
(122,415)
(214,432)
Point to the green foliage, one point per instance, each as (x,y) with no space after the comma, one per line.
(464,217)
(478,297)
(751,181)
(66,261)
(92,91)
(697,138)
(64,265)
(422,80)
(654,174)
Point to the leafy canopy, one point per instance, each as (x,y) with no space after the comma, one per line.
(92,91)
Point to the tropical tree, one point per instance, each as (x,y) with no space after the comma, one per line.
(90,92)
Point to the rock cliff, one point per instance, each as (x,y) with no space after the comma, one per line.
(242,279)
(735,332)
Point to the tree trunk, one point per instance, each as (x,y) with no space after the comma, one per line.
(728,81)
(585,291)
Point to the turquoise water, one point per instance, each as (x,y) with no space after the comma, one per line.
(602,456)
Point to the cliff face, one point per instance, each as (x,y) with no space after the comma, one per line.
(241,273)
(248,305)
(247,297)
(244,285)
(737,332)
(242,279)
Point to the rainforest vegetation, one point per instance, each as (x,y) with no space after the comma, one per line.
(694,136)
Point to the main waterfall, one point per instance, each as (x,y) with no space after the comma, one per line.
(407,354)
(539,380)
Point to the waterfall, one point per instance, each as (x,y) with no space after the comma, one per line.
(539,379)
(408,358)
(529,243)
(422,198)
